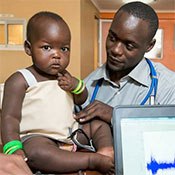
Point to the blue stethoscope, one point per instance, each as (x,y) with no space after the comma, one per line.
(153,85)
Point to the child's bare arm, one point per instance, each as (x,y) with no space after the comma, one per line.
(14,93)
(69,83)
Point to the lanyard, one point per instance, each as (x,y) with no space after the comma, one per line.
(153,85)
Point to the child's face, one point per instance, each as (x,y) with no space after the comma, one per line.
(50,46)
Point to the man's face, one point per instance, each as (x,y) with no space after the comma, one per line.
(127,42)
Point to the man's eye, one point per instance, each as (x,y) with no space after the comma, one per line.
(130,47)
(46,47)
(111,38)
(64,49)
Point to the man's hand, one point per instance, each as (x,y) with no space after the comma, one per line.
(13,165)
(95,109)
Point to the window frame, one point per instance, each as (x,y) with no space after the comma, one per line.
(6,22)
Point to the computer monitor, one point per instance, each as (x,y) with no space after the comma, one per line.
(144,140)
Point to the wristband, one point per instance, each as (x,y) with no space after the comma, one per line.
(81,90)
(78,86)
(12,146)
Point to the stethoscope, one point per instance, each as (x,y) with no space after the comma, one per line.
(149,94)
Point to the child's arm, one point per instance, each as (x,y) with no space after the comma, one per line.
(14,93)
(69,83)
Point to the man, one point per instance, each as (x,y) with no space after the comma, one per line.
(13,165)
(127,77)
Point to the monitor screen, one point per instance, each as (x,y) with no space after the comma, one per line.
(148,146)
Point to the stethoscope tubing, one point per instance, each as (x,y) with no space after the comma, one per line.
(153,84)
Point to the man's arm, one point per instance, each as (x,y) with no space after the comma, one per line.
(13,165)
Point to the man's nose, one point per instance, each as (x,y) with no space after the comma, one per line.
(117,49)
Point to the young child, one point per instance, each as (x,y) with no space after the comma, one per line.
(37,110)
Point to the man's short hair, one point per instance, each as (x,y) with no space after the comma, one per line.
(144,12)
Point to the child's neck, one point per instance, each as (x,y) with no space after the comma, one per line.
(41,76)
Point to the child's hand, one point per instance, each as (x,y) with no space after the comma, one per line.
(66,81)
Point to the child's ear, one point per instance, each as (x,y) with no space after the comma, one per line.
(151,45)
(27,47)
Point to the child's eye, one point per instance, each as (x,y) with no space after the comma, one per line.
(46,47)
(64,49)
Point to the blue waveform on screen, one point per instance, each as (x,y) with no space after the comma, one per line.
(154,166)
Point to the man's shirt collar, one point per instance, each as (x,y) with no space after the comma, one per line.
(141,73)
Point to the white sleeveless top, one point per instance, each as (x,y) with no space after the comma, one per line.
(46,109)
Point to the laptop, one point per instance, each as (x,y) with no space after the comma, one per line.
(144,139)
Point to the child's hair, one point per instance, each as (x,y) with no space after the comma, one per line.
(37,16)
(142,11)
